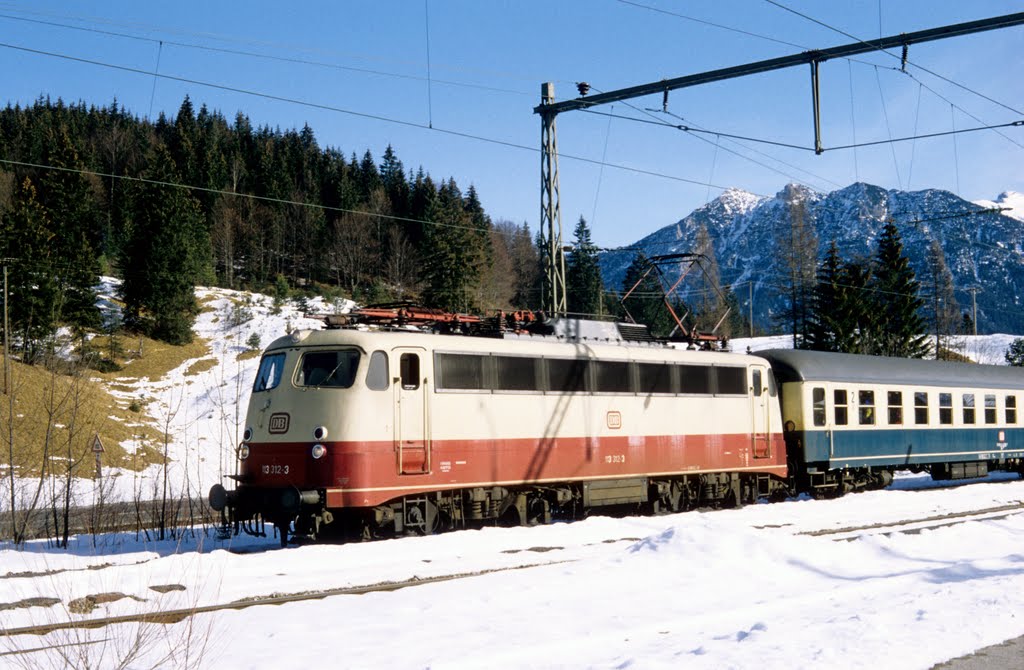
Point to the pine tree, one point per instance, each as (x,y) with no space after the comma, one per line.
(825,330)
(797,245)
(162,256)
(452,255)
(712,304)
(646,303)
(32,291)
(942,302)
(584,288)
(896,300)
(75,224)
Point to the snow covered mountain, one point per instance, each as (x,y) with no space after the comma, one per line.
(983,249)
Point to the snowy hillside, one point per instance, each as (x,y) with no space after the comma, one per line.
(982,249)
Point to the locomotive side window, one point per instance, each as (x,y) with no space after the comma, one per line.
(990,408)
(409,369)
(269,374)
(731,381)
(920,407)
(839,398)
(567,375)
(333,369)
(756,382)
(612,377)
(377,372)
(460,372)
(968,399)
(654,378)
(818,405)
(516,373)
(866,400)
(895,408)
(946,408)
(696,379)
(1011,409)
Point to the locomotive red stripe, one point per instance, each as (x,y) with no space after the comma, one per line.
(364,473)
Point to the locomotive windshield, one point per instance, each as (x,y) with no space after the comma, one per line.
(269,375)
(334,369)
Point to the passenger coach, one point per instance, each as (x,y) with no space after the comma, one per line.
(850,421)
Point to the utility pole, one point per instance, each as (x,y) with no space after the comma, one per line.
(550,209)
(7,353)
(974,307)
(750,303)
(554,301)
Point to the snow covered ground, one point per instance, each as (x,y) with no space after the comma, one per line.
(745,588)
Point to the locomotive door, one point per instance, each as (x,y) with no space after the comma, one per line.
(412,425)
(759,408)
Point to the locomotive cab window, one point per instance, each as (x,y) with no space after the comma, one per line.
(328,369)
(866,400)
(409,369)
(968,401)
(895,408)
(377,372)
(818,405)
(269,375)
(920,407)
(946,408)
(990,408)
(842,415)
(756,382)
(1011,409)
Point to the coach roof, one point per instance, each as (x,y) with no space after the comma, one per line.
(791,365)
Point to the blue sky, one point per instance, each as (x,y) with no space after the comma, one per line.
(474,120)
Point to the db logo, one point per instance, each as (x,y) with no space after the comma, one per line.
(279,423)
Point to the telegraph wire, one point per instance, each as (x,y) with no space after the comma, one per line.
(888,129)
(340,110)
(889,53)
(712,24)
(282,59)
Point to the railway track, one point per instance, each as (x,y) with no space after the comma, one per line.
(912,526)
(173,616)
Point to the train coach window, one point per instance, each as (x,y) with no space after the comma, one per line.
(377,372)
(839,398)
(968,399)
(895,408)
(1011,409)
(866,400)
(328,369)
(818,405)
(990,408)
(920,407)
(731,381)
(654,378)
(567,375)
(612,377)
(463,372)
(516,373)
(695,379)
(269,375)
(946,408)
(409,369)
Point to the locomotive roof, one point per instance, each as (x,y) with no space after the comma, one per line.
(790,365)
(510,343)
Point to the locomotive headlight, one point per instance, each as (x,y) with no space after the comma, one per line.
(320,433)
(318,451)
(247,435)
(243,452)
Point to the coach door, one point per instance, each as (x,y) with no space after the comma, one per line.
(759,408)
(412,425)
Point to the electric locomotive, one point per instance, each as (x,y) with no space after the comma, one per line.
(384,430)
